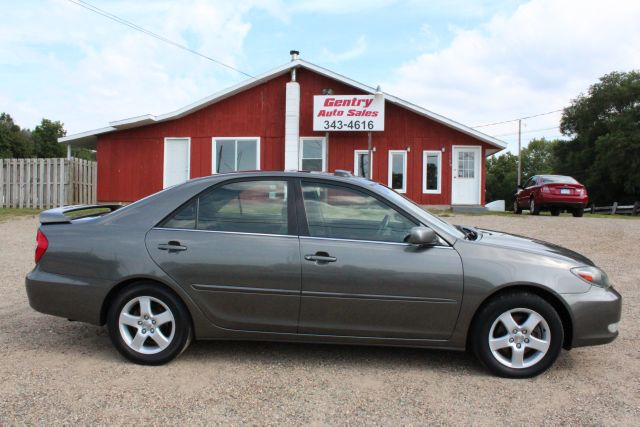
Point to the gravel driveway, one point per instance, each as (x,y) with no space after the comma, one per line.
(53,371)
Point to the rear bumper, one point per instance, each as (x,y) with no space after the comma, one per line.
(596,315)
(70,297)
(548,201)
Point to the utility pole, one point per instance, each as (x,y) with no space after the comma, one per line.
(519,150)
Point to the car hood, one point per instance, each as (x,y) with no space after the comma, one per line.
(522,243)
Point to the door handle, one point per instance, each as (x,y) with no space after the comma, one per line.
(321,258)
(172,246)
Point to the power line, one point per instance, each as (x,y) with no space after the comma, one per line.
(528,131)
(519,118)
(136,27)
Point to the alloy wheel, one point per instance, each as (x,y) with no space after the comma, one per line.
(519,338)
(146,325)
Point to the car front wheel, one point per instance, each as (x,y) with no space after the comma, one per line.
(533,207)
(517,335)
(516,207)
(148,324)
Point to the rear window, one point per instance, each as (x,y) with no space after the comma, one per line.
(558,180)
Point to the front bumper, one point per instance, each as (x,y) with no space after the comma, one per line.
(74,298)
(594,312)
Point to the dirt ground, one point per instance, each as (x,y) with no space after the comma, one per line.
(53,371)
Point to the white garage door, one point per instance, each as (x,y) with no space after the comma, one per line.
(176,161)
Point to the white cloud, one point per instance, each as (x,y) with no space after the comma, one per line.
(357,50)
(533,60)
(92,70)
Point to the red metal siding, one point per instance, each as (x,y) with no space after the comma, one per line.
(130,162)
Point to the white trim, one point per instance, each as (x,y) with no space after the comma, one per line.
(480,169)
(214,139)
(425,154)
(283,69)
(404,172)
(355,160)
(164,160)
(324,150)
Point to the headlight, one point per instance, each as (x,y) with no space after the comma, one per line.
(592,275)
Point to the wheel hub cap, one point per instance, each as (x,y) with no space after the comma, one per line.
(146,325)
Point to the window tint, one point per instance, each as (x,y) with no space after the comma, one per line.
(342,213)
(247,206)
(559,179)
(185,217)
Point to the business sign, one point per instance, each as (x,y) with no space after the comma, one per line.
(348,113)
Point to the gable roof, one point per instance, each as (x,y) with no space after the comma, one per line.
(89,138)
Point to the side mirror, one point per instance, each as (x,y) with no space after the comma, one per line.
(422,236)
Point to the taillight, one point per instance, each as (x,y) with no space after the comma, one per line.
(546,189)
(42,245)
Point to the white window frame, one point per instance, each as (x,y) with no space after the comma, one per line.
(214,144)
(164,161)
(355,161)
(324,150)
(404,171)
(425,155)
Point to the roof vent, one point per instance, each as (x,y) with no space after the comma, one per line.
(294,54)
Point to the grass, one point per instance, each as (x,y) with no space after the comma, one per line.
(10,213)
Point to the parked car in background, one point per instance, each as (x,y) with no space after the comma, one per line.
(555,193)
(292,256)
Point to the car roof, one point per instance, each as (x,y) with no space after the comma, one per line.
(338,175)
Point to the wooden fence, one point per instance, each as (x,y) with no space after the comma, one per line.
(616,209)
(47,183)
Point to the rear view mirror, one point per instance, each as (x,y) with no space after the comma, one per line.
(422,236)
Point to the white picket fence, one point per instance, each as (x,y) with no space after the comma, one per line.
(47,183)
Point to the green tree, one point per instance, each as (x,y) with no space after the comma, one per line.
(14,142)
(604,153)
(45,138)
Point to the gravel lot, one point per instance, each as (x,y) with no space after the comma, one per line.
(53,371)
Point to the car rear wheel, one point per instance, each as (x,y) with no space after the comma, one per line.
(578,212)
(148,324)
(517,335)
(516,207)
(533,207)
(555,212)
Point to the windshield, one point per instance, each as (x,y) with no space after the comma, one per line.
(558,179)
(416,209)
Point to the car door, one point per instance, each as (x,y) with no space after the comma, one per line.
(358,276)
(235,249)
(523,195)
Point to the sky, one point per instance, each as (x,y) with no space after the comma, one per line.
(473,61)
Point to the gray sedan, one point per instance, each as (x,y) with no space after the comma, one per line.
(305,257)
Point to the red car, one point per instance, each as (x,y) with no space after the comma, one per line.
(555,193)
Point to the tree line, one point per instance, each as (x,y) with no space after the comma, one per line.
(602,150)
(42,141)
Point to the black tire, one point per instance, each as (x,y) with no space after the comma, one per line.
(555,212)
(534,209)
(578,212)
(488,316)
(516,207)
(179,329)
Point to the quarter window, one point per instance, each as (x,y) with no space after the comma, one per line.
(343,213)
(313,154)
(431,164)
(398,170)
(235,154)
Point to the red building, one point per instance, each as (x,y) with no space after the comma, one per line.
(266,123)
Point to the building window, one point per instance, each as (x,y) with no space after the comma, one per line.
(431,172)
(466,164)
(313,154)
(361,163)
(398,170)
(235,154)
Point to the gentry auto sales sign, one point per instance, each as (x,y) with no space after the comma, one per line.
(348,113)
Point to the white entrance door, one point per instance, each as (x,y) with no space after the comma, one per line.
(465,185)
(176,161)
